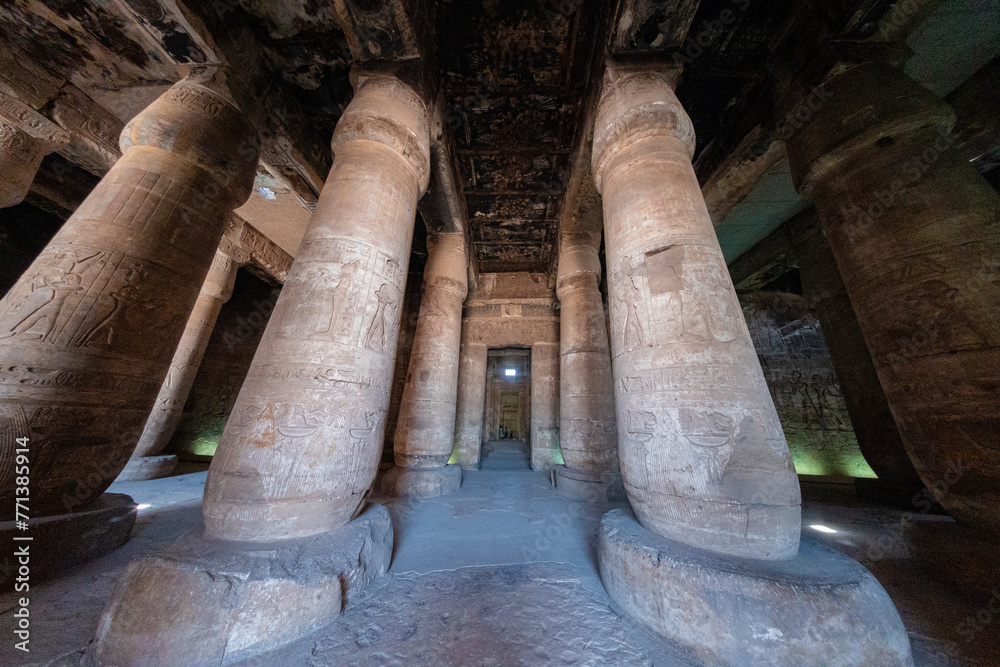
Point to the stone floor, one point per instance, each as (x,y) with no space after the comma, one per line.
(502,573)
(505,455)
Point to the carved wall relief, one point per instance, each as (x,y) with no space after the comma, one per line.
(802,384)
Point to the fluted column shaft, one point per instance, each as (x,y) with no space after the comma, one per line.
(588,434)
(302,446)
(87,334)
(169,408)
(702,453)
(426,429)
(914,228)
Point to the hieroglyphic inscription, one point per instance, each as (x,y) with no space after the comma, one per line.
(94,145)
(30,121)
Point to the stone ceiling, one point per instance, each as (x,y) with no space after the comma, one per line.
(514,75)
(515,79)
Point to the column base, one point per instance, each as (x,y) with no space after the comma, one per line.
(147,467)
(954,554)
(589,486)
(740,611)
(422,482)
(217,602)
(65,540)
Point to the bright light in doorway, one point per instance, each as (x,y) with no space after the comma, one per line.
(821,528)
(510,372)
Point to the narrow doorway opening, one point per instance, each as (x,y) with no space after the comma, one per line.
(507,419)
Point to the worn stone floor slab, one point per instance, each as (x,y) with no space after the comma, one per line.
(535,614)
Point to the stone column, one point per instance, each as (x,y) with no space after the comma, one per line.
(285,499)
(588,434)
(87,334)
(874,427)
(25,138)
(913,228)
(702,452)
(425,432)
(470,405)
(217,289)
(703,457)
(543,414)
(301,449)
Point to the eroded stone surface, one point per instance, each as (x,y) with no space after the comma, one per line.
(62,541)
(913,229)
(169,406)
(301,449)
(537,614)
(219,601)
(87,334)
(702,453)
(425,431)
(588,434)
(740,611)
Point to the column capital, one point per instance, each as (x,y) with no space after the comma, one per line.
(833,131)
(203,127)
(636,104)
(387,111)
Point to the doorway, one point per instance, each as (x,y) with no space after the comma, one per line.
(507,419)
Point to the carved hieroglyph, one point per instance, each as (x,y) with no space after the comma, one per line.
(87,334)
(302,446)
(588,435)
(169,408)
(702,453)
(913,228)
(26,137)
(426,428)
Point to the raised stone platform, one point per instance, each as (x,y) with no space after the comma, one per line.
(422,482)
(587,486)
(218,602)
(147,467)
(65,540)
(818,608)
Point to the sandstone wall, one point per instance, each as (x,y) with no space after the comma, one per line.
(805,391)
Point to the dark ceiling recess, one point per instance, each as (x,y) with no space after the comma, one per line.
(514,74)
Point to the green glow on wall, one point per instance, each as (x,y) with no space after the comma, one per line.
(816,453)
(203,446)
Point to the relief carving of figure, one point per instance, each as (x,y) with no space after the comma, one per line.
(50,289)
(375,338)
(811,412)
(338,294)
(632,334)
(102,333)
(53,292)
